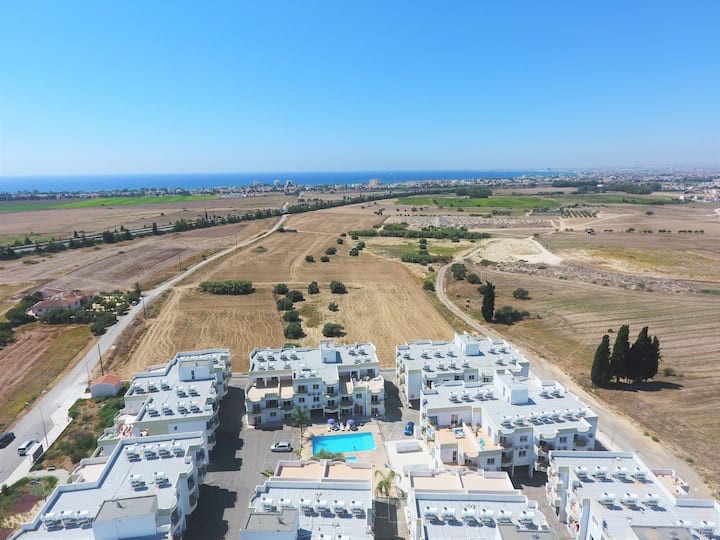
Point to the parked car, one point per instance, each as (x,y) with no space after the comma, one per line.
(281,446)
(6,438)
(410,428)
(24,447)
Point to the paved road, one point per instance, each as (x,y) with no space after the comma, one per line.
(49,413)
(614,431)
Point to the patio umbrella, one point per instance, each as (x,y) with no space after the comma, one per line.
(331,421)
(350,422)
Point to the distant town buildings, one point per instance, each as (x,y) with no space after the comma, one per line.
(337,381)
(423,364)
(180,396)
(615,495)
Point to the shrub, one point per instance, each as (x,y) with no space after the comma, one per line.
(521,294)
(284,304)
(354,237)
(340,241)
(510,315)
(295,296)
(669,372)
(354,252)
(294,331)
(291,316)
(313,288)
(331,251)
(227,287)
(361,245)
(473,278)
(429,285)
(333,330)
(458,271)
(280,288)
(324,258)
(332,306)
(309,258)
(337,287)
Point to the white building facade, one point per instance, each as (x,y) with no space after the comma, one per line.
(337,381)
(423,364)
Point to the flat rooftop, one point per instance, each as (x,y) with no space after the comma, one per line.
(323,470)
(128,473)
(322,362)
(472,441)
(484,354)
(462,481)
(633,492)
(409,455)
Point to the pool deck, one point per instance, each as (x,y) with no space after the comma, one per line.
(377,456)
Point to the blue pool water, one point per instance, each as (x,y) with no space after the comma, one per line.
(351,459)
(351,442)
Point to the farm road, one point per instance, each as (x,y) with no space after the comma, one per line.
(49,413)
(615,432)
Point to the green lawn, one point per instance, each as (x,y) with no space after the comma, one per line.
(102,201)
(444,249)
(520,201)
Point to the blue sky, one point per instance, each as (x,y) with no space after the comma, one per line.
(171,86)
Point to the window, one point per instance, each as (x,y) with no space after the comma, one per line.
(563,439)
(316,386)
(358,396)
(522,453)
(523,438)
(316,399)
(491,461)
(301,400)
(273,414)
(471,377)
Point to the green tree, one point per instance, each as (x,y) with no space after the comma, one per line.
(600,373)
(473,278)
(337,287)
(294,331)
(488,303)
(280,288)
(295,296)
(653,359)
(331,251)
(459,271)
(325,454)
(333,330)
(521,294)
(386,482)
(300,418)
(313,288)
(291,316)
(154,228)
(332,306)
(324,258)
(619,355)
(284,304)
(309,258)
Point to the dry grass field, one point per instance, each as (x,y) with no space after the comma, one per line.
(569,316)
(384,302)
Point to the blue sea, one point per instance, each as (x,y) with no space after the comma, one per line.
(211,180)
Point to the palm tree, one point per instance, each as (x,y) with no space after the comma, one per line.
(300,418)
(332,456)
(385,484)
(268,473)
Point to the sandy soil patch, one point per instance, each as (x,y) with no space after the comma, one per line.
(515,250)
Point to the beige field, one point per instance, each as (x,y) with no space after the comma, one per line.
(384,303)
(570,313)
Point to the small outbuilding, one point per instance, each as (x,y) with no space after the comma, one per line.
(105,386)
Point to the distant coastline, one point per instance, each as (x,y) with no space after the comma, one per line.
(80,183)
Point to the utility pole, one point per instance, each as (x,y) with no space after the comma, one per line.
(102,369)
(142,298)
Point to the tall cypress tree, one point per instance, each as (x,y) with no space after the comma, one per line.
(488,303)
(652,360)
(619,356)
(637,357)
(600,373)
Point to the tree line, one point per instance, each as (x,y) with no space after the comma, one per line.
(628,363)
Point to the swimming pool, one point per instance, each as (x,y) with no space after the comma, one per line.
(349,442)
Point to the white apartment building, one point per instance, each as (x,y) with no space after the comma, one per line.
(511,423)
(182,395)
(144,489)
(335,381)
(313,499)
(608,495)
(462,504)
(423,364)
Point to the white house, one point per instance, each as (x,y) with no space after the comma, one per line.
(313,500)
(182,395)
(462,504)
(145,488)
(335,381)
(615,495)
(106,386)
(423,364)
(514,419)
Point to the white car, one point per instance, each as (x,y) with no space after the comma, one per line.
(27,445)
(281,446)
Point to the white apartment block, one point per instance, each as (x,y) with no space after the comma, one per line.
(145,488)
(608,495)
(511,423)
(180,396)
(467,505)
(423,364)
(313,500)
(335,381)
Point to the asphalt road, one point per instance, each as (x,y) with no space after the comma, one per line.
(48,414)
(614,431)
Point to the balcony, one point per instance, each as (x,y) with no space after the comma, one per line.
(507,459)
